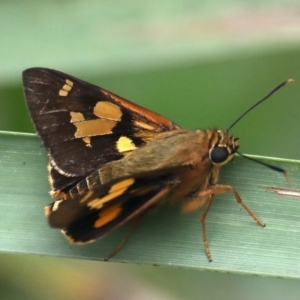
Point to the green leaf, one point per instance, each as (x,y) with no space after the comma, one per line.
(166,237)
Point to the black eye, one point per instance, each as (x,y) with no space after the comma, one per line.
(218,155)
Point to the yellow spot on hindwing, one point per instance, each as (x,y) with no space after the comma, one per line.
(122,185)
(125,144)
(108,215)
(115,191)
(67,87)
(107,110)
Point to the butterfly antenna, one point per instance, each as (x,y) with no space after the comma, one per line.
(260,101)
(274,168)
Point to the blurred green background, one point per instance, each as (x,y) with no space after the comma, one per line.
(199,63)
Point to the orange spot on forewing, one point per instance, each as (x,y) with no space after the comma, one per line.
(107,110)
(94,127)
(76,117)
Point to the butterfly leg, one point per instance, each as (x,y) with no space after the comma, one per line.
(137,216)
(206,196)
(221,189)
(134,225)
(196,201)
(202,220)
(217,190)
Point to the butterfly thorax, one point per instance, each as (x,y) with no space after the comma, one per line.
(203,150)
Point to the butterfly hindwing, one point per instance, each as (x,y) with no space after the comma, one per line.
(84,126)
(94,214)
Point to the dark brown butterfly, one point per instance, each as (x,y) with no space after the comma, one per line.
(110,160)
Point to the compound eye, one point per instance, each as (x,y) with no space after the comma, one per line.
(219,155)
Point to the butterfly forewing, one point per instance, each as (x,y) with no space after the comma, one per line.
(84,126)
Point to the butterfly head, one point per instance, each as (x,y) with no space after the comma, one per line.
(223,148)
